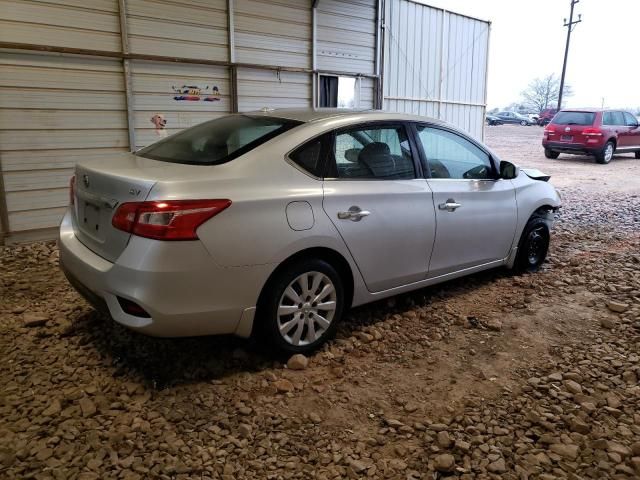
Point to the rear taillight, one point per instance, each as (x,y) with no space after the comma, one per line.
(592,132)
(166,220)
(549,130)
(72,190)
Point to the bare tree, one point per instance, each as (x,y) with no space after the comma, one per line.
(543,93)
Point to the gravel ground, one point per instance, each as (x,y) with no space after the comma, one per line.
(492,376)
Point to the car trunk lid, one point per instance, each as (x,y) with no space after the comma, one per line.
(99,189)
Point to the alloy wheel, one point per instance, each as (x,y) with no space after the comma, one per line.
(306,308)
(608,152)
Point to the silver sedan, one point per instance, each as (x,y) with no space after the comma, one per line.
(274,223)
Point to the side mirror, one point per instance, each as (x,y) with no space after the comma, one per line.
(508,170)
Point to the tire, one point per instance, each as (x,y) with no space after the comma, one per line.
(290,321)
(605,155)
(551,154)
(637,154)
(533,246)
(524,123)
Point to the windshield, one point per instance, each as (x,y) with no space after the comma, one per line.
(217,141)
(574,118)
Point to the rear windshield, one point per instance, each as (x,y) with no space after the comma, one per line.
(574,118)
(217,141)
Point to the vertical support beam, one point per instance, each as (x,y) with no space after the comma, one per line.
(381,32)
(314,55)
(443,26)
(486,79)
(233,86)
(233,70)
(4,210)
(377,103)
(126,68)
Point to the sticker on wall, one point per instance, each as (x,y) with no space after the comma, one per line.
(194,93)
(160,124)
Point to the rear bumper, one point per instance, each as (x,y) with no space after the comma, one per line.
(184,291)
(575,148)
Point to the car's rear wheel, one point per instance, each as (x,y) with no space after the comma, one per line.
(551,154)
(302,306)
(606,154)
(533,246)
(523,123)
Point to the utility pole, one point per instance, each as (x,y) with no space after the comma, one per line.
(570,26)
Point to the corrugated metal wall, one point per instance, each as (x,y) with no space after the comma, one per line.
(435,64)
(192,60)
(54,111)
(346,36)
(153,92)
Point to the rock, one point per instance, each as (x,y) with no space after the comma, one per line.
(566,451)
(635,449)
(499,466)
(462,445)
(283,386)
(34,320)
(444,462)
(608,323)
(314,417)
(572,386)
(443,439)
(244,430)
(620,449)
(494,324)
(53,409)
(87,406)
(555,377)
(364,337)
(617,307)
(577,425)
(298,362)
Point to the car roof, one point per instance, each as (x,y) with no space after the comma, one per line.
(308,115)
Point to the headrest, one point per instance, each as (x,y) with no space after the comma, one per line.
(374,148)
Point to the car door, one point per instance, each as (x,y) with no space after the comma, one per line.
(476,212)
(381,207)
(631,137)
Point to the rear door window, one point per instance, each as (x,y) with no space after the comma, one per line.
(381,153)
(218,141)
(630,120)
(574,118)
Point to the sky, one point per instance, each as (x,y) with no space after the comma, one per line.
(528,40)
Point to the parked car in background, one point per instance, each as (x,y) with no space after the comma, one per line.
(533,117)
(600,133)
(493,120)
(546,115)
(275,223)
(513,117)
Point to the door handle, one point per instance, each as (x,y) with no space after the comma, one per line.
(450,205)
(355,214)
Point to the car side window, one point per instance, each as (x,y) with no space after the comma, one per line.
(450,155)
(630,120)
(373,153)
(618,118)
(308,157)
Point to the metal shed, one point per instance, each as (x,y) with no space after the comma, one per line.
(81,80)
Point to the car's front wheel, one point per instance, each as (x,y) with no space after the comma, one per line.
(524,123)
(533,246)
(302,306)
(551,154)
(605,155)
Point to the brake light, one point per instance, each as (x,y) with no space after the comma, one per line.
(549,130)
(166,220)
(592,132)
(72,190)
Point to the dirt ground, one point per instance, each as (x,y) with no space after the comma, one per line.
(491,376)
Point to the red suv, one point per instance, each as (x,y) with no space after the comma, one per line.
(600,133)
(546,115)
